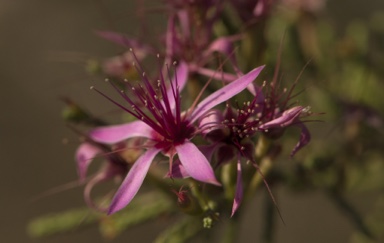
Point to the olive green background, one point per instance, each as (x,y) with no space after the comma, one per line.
(43,46)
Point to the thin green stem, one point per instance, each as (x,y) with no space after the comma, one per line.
(264,167)
(269,220)
(232,232)
(202,200)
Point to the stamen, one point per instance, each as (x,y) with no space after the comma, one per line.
(306,109)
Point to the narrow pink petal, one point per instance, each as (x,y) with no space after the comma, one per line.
(118,133)
(225,93)
(84,156)
(195,163)
(286,119)
(107,172)
(225,46)
(239,190)
(305,137)
(132,181)
(178,170)
(260,8)
(88,189)
(211,121)
(183,16)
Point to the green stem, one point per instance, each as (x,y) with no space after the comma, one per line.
(269,220)
(257,179)
(265,165)
(232,231)
(155,179)
(202,200)
(228,179)
(262,147)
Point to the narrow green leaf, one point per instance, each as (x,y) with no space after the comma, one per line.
(141,209)
(62,222)
(181,231)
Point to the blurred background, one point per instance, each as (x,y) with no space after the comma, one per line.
(44,46)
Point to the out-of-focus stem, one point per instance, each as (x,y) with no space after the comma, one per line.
(203,202)
(232,232)
(269,220)
(264,167)
(161,184)
(262,146)
(228,180)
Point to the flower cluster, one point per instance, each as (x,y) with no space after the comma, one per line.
(186,111)
(204,125)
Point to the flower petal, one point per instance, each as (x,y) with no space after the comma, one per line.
(225,93)
(107,172)
(239,190)
(225,46)
(305,137)
(260,9)
(87,192)
(286,119)
(178,170)
(211,121)
(84,156)
(118,133)
(195,163)
(184,20)
(132,181)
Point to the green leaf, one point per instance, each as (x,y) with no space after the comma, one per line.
(62,222)
(141,209)
(181,231)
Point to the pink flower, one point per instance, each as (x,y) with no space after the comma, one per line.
(258,115)
(168,130)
